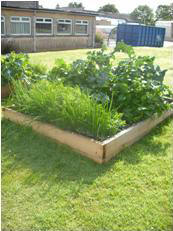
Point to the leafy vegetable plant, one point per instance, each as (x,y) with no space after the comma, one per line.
(134,87)
(17,67)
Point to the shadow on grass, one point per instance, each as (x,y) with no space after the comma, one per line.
(52,162)
(149,145)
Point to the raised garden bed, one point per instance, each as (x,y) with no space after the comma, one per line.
(5,90)
(98,151)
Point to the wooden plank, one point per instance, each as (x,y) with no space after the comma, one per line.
(88,147)
(95,150)
(129,136)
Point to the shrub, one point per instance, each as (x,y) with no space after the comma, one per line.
(68,108)
(100,37)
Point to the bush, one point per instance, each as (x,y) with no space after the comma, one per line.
(100,37)
(68,108)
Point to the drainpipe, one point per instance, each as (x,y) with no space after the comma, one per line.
(94,31)
(34,37)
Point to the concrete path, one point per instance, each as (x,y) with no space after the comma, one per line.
(168,44)
(112,43)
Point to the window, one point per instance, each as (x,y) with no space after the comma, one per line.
(81,27)
(2,25)
(20,25)
(43,26)
(64,26)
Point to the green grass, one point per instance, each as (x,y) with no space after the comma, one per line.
(163,56)
(47,186)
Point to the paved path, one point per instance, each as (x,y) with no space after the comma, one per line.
(168,44)
(112,43)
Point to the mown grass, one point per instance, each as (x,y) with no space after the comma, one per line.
(164,57)
(48,186)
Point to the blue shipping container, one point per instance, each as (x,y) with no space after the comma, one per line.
(139,35)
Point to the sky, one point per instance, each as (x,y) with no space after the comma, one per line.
(124,6)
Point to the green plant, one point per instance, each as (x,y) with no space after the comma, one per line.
(99,37)
(15,67)
(138,98)
(138,87)
(59,71)
(39,71)
(92,74)
(135,86)
(8,46)
(68,108)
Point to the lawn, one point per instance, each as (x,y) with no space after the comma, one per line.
(48,186)
(163,56)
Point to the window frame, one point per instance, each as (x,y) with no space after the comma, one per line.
(2,17)
(44,22)
(20,21)
(81,22)
(66,23)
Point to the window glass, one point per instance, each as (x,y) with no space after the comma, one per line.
(81,27)
(25,19)
(48,20)
(43,26)
(20,28)
(15,18)
(64,26)
(20,25)
(39,20)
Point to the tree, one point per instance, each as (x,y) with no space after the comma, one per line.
(143,14)
(57,6)
(108,8)
(75,5)
(164,12)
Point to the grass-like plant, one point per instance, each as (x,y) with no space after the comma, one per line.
(68,108)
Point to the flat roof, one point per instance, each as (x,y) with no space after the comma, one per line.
(79,12)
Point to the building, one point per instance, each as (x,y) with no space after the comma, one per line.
(103,22)
(34,29)
(25,4)
(168,25)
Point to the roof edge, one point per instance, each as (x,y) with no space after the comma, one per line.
(52,10)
